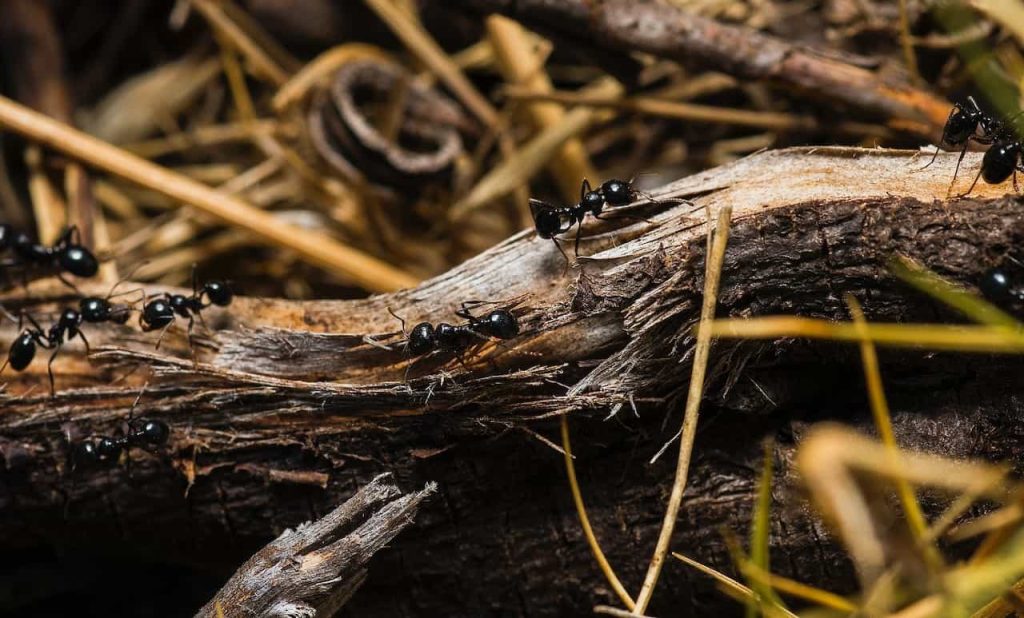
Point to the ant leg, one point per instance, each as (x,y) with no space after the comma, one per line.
(60,276)
(972,185)
(49,371)
(88,350)
(464,312)
(562,251)
(956,170)
(162,333)
(576,245)
(400,319)
(188,334)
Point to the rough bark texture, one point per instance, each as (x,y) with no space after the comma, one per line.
(290,409)
(314,569)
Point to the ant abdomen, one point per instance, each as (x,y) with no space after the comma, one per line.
(22,351)
(500,324)
(999,162)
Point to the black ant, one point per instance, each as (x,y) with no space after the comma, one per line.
(92,309)
(967,124)
(1001,161)
(161,311)
(23,350)
(999,287)
(66,255)
(425,337)
(551,220)
(143,433)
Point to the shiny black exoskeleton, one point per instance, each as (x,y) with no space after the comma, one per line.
(97,310)
(160,312)
(550,220)
(1001,161)
(67,255)
(998,286)
(107,450)
(425,337)
(967,123)
(23,350)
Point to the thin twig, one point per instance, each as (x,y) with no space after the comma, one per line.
(700,361)
(317,248)
(423,45)
(518,63)
(588,532)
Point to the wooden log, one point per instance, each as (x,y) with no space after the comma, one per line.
(290,407)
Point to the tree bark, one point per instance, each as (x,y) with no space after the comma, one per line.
(290,407)
(313,570)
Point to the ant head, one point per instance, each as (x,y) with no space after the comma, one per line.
(617,192)
(157,313)
(155,433)
(593,201)
(94,309)
(546,218)
(219,293)
(502,324)
(421,339)
(78,261)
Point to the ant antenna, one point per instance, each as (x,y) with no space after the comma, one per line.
(400,319)
(131,411)
(130,274)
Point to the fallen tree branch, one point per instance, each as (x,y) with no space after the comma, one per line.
(292,405)
(666,30)
(314,569)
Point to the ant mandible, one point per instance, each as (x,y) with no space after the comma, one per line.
(143,433)
(550,220)
(966,124)
(66,255)
(161,311)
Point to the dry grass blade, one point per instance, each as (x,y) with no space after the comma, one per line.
(715,258)
(760,534)
(797,589)
(588,531)
(423,45)
(922,336)
(883,422)
(321,68)
(262,63)
(832,459)
(517,170)
(971,305)
(776,121)
(739,590)
(1008,13)
(520,65)
(316,248)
